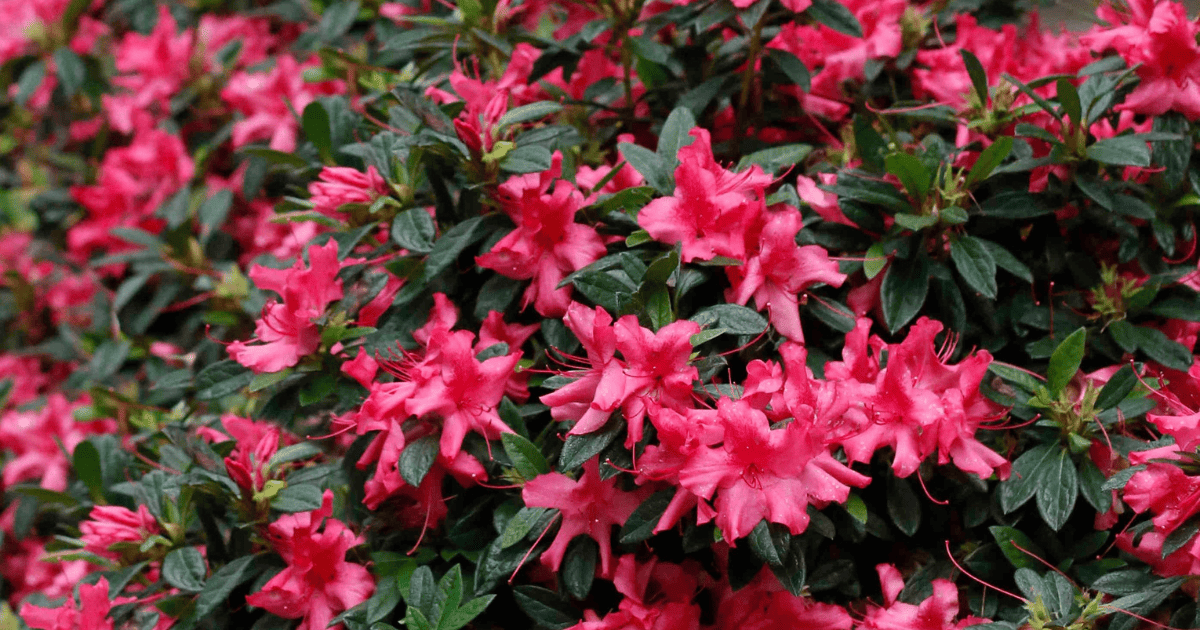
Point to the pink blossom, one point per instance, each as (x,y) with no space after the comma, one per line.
(154,69)
(267,99)
(937,612)
(339,185)
(110,525)
(91,613)
(318,581)
(588,506)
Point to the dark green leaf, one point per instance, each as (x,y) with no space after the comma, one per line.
(414,230)
(525,456)
(579,566)
(580,448)
(1014,204)
(1009,539)
(641,524)
(1120,151)
(978,75)
(184,569)
(792,573)
(1091,484)
(1058,489)
(317,129)
(529,113)
(29,81)
(545,607)
(975,264)
(675,136)
(452,243)
(903,505)
(1173,155)
(521,524)
(1162,349)
(1065,361)
(1006,261)
(336,20)
(735,319)
(528,159)
(294,453)
(1068,97)
(650,165)
(1023,483)
(775,158)
(71,70)
(903,291)
(385,599)
(770,542)
(213,211)
(298,498)
(86,461)
(989,159)
(417,458)
(1117,388)
(464,614)
(223,581)
(836,16)
(792,67)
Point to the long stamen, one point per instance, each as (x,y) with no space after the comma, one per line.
(968,574)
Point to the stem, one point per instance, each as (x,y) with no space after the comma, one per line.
(748,80)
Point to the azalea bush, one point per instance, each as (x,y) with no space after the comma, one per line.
(617,314)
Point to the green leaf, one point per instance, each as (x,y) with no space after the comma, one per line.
(29,81)
(857,508)
(975,264)
(650,165)
(875,260)
(414,230)
(449,594)
(792,67)
(836,16)
(294,453)
(71,70)
(466,613)
(215,209)
(275,157)
(1023,483)
(452,243)
(770,542)
(903,291)
(1120,151)
(315,121)
(525,456)
(323,384)
(521,524)
(1173,155)
(298,498)
(580,448)
(545,607)
(86,462)
(989,159)
(1068,97)
(775,158)
(1009,539)
(903,505)
(1065,361)
(978,75)
(579,566)
(218,587)
(184,569)
(1091,485)
(660,270)
(385,599)
(528,113)
(674,136)
(417,459)
(1014,204)
(912,172)
(641,523)
(1006,261)
(1162,349)
(337,18)
(421,591)
(527,159)
(735,319)
(1117,388)
(1058,489)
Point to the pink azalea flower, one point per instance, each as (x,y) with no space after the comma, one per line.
(154,69)
(91,613)
(267,100)
(658,596)
(777,270)
(338,185)
(764,605)
(286,329)
(758,473)
(109,525)
(588,506)
(710,208)
(318,582)
(937,612)
(38,438)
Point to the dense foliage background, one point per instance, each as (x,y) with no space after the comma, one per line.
(598,314)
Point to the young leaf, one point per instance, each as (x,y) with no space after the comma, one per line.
(525,456)
(978,75)
(317,129)
(989,159)
(912,172)
(1068,97)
